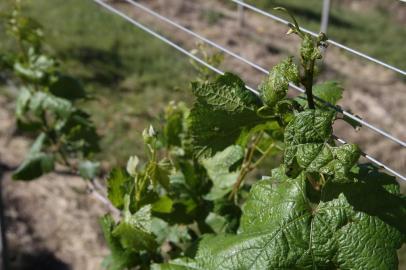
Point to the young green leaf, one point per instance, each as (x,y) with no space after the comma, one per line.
(275,87)
(119,258)
(36,69)
(218,169)
(224,108)
(119,183)
(163,205)
(307,141)
(159,173)
(178,264)
(329,91)
(175,130)
(36,163)
(134,230)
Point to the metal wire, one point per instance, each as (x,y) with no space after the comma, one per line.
(258,67)
(164,39)
(335,43)
(194,57)
(190,32)
(377,162)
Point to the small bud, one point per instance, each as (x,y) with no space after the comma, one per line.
(148,135)
(132,165)
(151,131)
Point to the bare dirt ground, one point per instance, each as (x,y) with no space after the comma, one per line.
(53,225)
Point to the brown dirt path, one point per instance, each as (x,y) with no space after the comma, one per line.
(51,223)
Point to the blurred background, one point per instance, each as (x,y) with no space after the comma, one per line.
(133,76)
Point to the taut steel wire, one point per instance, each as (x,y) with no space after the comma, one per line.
(263,70)
(335,43)
(197,59)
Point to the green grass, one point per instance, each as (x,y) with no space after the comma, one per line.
(132,74)
(373,31)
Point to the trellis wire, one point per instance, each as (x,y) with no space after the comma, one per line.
(258,67)
(335,43)
(197,59)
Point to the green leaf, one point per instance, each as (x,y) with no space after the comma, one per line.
(275,87)
(217,223)
(118,185)
(218,169)
(79,133)
(34,166)
(134,230)
(36,163)
(282,229)
(224,108)
(22,102)
(120,258)
(68,88)
(226,93)
(175,130)
(308,49)
(42,102)
(159,173)
(231,212)
(329,91)
(307,141)
(37,68)
(89,169)
(178,264)
(163,231)
(163,205)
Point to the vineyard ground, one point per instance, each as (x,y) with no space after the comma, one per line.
(131,90)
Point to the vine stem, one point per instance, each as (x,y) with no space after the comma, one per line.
(308,83)
(248,166)
(92,187)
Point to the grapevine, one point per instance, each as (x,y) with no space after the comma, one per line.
(191,205)
(194,203)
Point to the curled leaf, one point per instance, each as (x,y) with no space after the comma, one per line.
(275,87)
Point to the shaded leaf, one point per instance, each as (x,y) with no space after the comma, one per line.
(159,173)
(118,185)
(165,232)
(120,258)
(68,88)
(36,162)
(218,169)
(34,166)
